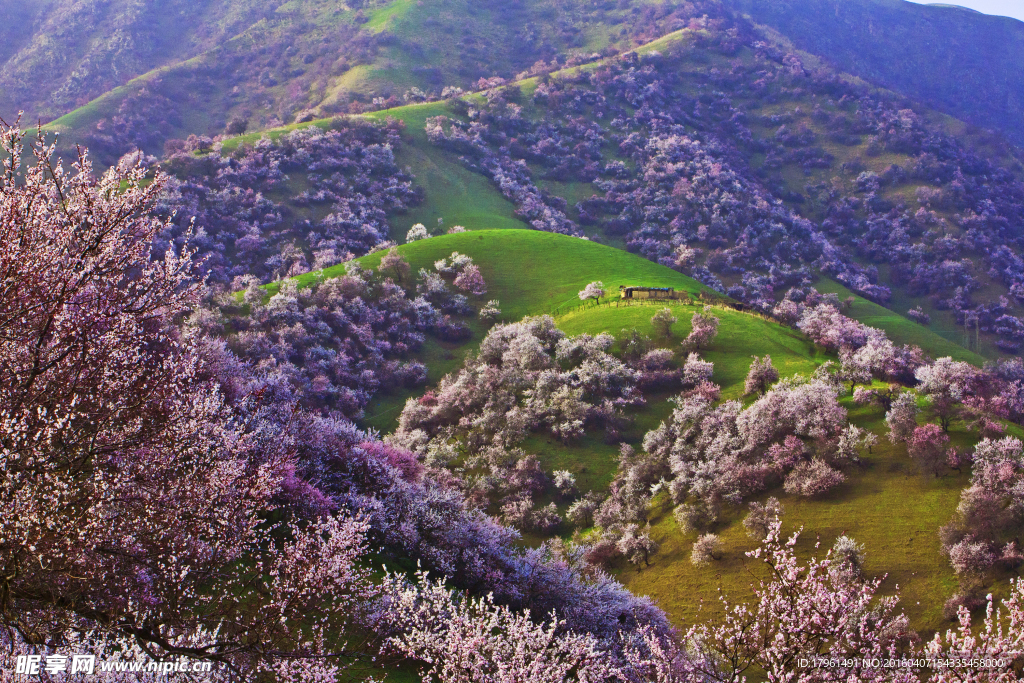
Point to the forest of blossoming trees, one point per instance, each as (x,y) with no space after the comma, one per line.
(179,495)
(184,471)
(672,176)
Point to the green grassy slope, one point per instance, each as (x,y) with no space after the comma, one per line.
(900,329)
(529,272)
(885,504)
(534,272)
(453,193)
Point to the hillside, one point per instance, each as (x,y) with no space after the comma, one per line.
(886,504)
(59,55)
(147,74)
(141,74)
(804,170)
(509,339)
(966,64)
(525,272)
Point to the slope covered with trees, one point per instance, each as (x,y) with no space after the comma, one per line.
(302,445)
(140,73)
(964,63)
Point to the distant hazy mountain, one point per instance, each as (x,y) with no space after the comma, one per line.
(965,63)
(266,60)
(56,55)
(202,66)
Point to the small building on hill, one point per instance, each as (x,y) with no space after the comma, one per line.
(627,292)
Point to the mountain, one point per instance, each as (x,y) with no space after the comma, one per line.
(119,74)
(58,55)
(138,73)
(962,62)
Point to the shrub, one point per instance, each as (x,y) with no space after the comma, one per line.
(813,478)
(759,521)
(707,548)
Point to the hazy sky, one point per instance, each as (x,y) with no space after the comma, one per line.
(1006,8)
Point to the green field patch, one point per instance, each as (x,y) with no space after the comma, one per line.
(885,504)
(532,272)
(900,330)
(740,337)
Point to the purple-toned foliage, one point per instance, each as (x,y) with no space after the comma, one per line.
(250,218)
(670,166)
(336,343)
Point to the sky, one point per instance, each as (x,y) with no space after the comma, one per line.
(1006,8)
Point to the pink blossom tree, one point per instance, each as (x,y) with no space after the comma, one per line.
(471,280)
(997,641)
(132,498)
(902,417)
(594,290)
(761,376)
(813,478)
(947,383)
(662,321)
(465,640)
(394,265)
(927,446)
(703,329)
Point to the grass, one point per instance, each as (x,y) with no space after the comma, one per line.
(532,272)
(886,505)
(527,272)
(453,193)
(901,330)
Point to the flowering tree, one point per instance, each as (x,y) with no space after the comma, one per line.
(491,311)
(637,545)
(927,445)
(902,417)
(762,374)
(394,265)
(471,640)
(706,549)
(594,290)
(946,383)
(703,329)
(813,478)
(416,233)
(470,280)
(132,498)
(999,638)
(762,515)
(663,321)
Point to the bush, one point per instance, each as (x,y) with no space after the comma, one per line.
(813,478)
(707,548)
(761,516)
